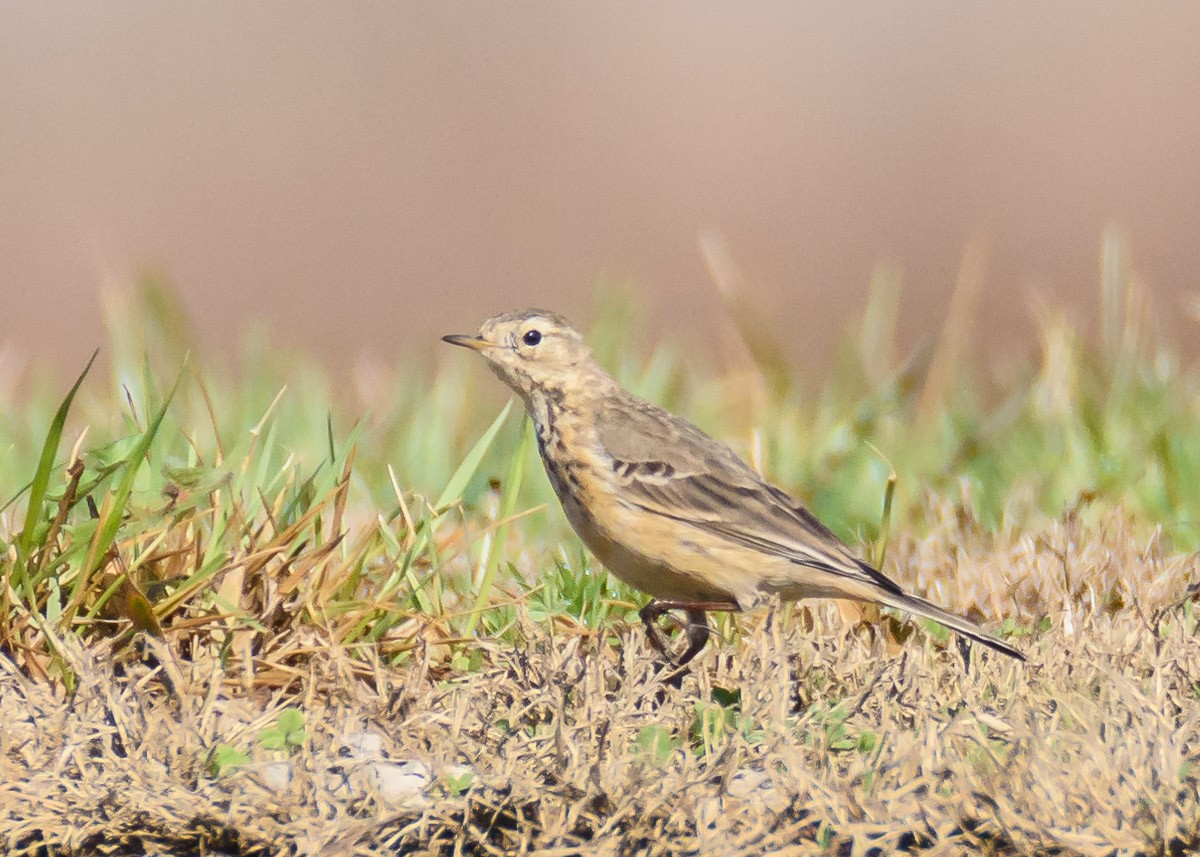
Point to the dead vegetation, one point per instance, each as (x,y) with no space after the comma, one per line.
(804,734)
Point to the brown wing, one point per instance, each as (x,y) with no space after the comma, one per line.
(671,468)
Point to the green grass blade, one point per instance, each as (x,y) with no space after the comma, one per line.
(451,495)
(885,519)
(116,510)
(41,478)
(508,505)
(454,489)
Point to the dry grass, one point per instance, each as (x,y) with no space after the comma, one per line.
(805,734)
(253,616)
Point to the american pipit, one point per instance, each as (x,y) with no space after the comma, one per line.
(665,507)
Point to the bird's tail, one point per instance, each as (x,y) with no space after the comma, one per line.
(921,607)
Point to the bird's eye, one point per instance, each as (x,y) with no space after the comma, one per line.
(532,337)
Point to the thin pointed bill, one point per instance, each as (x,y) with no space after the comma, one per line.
(472,342)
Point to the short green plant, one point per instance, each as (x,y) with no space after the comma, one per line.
(226,759)
(289,732)
(458,783)
(656,743)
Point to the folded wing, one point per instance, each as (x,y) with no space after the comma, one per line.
(691,478)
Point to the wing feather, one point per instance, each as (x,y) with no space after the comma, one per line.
(690,478)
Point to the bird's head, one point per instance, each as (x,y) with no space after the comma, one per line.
(532,351)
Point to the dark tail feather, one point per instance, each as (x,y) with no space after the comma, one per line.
(921,607)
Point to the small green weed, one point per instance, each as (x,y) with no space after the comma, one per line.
(655,743)
(289,732)
(226,759)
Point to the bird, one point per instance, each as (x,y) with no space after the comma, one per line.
(665,507)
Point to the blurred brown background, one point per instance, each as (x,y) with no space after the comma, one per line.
(362,176)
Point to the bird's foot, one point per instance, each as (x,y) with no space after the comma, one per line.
(695,629)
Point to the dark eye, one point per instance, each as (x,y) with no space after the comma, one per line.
(532,337)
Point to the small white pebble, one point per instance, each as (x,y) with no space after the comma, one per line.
(276,776)
(401,782)
(744,783)
(364,745)
(750,784)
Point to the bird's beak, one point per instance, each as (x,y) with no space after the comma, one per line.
(472,342)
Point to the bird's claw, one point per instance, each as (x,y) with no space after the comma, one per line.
(695,630)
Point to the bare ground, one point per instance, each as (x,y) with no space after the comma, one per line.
(808,733)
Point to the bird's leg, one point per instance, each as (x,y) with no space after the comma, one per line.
(697,632)
(696,629)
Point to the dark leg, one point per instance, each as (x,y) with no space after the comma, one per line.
(649,614)
(696,630)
